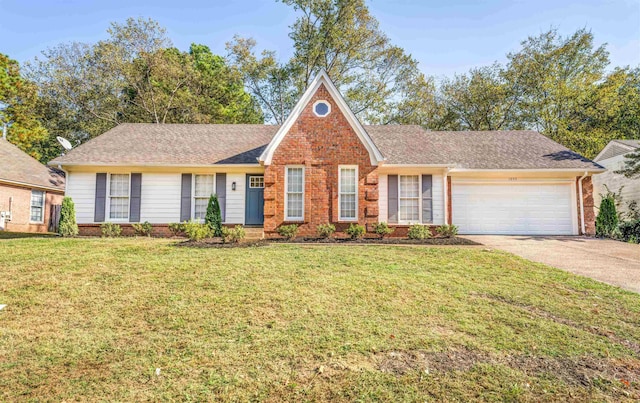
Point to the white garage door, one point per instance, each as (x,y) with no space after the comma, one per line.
(515,209)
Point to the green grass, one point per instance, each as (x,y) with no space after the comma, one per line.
(92,319)
(19,235)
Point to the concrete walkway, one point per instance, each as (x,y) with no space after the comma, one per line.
(611,262)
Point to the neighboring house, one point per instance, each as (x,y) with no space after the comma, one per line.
(612,157)
(323,166)
(28,190)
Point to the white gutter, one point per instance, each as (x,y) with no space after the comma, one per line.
(446,195)
(582,226)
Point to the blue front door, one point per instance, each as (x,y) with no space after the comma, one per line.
(254,206)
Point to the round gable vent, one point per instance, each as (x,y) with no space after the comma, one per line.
(321,108)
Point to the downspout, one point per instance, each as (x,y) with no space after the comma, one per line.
(446,195)
(582,226)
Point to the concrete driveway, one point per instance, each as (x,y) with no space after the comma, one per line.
(611,262)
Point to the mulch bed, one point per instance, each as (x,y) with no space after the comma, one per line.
(217,242)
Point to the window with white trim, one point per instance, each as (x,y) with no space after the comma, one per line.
(37,206)
(256,182)
(294,193)
(409,195)
(203,188)
(348,193)
(119,196)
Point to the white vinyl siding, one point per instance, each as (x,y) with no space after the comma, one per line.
(37,206)
(348,193)
(235,198)
(81,187)
(409,205)
(118,195)
(203,188)
(160,198)
(294,193)
(436,193)
(629,188)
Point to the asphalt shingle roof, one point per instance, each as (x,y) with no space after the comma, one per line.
(193,144)
(17,166)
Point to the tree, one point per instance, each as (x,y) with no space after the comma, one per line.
(607,219)
(213,216)
(67,226)
(18,98)
(631,167)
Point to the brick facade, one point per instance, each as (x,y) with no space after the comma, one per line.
(588,204)
(321,144)
(21,208)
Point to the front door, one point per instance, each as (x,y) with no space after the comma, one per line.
(254,207)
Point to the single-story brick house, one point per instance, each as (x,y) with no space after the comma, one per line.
(612,157)
(28,191)
(322,165)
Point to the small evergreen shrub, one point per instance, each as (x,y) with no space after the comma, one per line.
(196,231)
(326,230)
(142,229)
(288,231)
(233,235)
(607,220)
(417,231)
(110,229)
(68,225)
(176,228)
(447,231)
(356,231)
(629,231)
(382,229)
(213,217)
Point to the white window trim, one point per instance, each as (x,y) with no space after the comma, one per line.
(322,101)
(419,220)
(286,192)
(44,203)
(193,193)
(340,218)
(107,213)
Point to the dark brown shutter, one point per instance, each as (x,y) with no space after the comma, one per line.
(134,198)
(392,192)
(101,197)
(185,199)
(221,192)
(427,199)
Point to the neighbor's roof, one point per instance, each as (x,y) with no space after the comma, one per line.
(19,168)
(617,147)
(205,144)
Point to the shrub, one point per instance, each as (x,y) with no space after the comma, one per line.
(447,231)
(110,229)
(288,231)
(418,231)
(68,225)
(213,217)
(233,235)
(607,220)
(629,231)
(176,228)
(143,229)
(356,231)
(326,230)
(196,231)
(382,229)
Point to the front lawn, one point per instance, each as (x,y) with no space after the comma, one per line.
(142,319)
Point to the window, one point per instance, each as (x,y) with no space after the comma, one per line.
(348,193)
(37,206)
(409,206)
(321,108)
(256,181)
(294,194)
(119,196)
(203,189)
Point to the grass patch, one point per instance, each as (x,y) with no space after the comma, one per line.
(92,319)
(20,235)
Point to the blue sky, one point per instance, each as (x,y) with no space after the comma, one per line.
(445,36)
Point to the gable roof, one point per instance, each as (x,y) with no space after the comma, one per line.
(19,168)
(322,79)
(140,144)
(617,147)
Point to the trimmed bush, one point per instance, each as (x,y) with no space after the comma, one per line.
(233,235)
(629,231)
(418,231)
(68,225)
(447,231)
(213,218)
(176,228)
(326,230)
(607,220)
(110,230)
(196,231)
(288,231)
(356,231)
(143,229)
(383,229)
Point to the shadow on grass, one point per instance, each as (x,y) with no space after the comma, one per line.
(18,235)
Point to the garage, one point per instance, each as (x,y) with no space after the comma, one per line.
(507,208)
